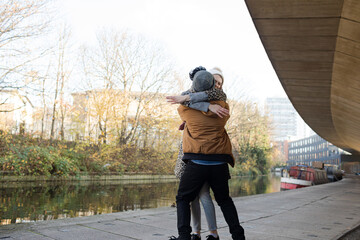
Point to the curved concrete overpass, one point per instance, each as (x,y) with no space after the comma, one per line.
(314,47)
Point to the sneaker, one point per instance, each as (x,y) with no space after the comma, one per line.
(179,238)
(195,237)
(211,237)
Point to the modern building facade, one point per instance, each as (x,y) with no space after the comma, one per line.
(313,149)
(284,118)
(287,123)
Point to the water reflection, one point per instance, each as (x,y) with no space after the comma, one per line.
(256,185)
(46,201)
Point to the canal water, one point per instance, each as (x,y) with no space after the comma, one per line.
(27,202)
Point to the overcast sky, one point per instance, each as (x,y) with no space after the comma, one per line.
(203,32)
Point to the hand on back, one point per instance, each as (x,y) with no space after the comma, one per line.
(218,110)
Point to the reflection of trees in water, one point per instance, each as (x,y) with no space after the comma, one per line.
(59,201)
(53,201)
(249,186)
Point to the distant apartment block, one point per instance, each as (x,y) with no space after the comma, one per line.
(313,149)
(286,122)
(284,118)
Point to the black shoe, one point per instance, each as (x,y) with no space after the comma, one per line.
(211,237)
(178,238)
(195,237)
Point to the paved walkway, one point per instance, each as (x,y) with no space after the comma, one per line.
(325,211)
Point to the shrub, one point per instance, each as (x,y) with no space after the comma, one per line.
(64,166)
(23,155)
(32,160)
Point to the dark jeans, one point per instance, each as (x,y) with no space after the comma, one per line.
(193,179)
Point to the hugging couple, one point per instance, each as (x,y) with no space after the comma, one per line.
(204,156)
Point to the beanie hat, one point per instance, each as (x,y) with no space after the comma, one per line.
(194,71)
(217,71)
(203,80)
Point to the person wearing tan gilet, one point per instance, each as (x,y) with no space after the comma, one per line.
(207,151)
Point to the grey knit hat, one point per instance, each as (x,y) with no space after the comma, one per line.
(203,80)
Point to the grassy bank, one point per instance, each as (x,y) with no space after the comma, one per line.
(23,155)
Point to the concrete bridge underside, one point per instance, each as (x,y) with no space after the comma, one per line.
(314,47)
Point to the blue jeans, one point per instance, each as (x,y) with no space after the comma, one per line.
(191,182)
(209,209)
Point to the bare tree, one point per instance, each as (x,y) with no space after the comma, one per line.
(132,71)
(43,101)
(20,22)
(62,75)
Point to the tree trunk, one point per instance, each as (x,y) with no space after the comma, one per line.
(62,135)
(53,119)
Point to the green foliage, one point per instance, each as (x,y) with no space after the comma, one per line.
(24,155)
(123,159)
(64,166)
(27,161)
(279,165)
(252,160)
(36,160)
(251,135)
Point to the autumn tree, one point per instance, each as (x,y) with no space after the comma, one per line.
(249,130)
(129,69)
